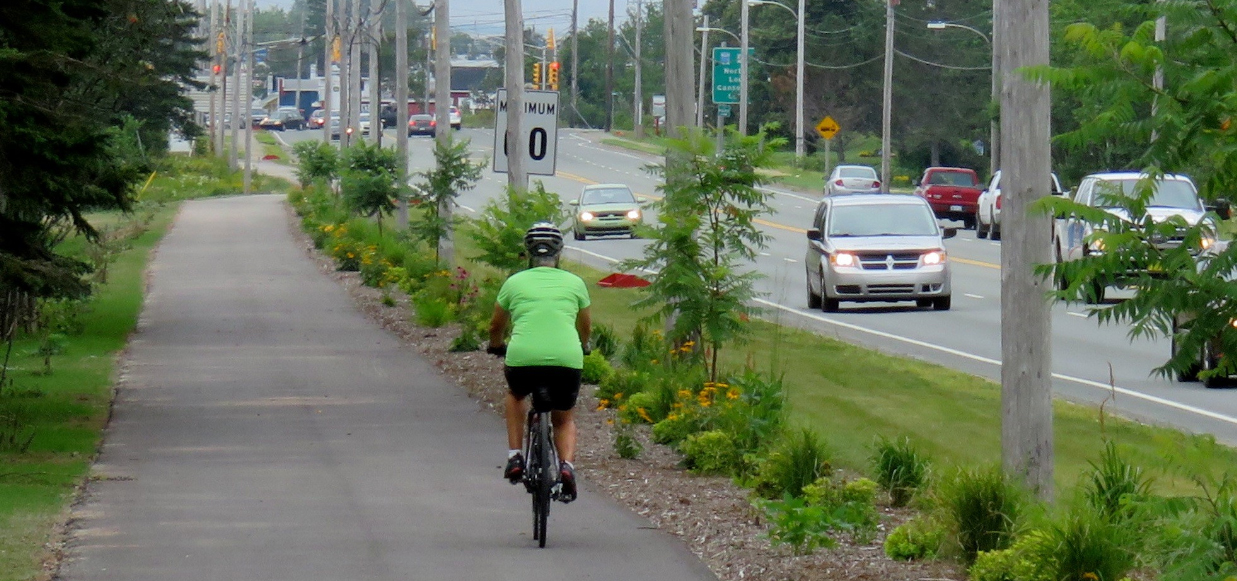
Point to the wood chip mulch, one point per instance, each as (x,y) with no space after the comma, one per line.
(711,515)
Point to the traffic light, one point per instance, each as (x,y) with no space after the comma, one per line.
(537,75)
(217,68)
(552,76)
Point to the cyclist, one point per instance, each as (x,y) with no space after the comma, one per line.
(548,311)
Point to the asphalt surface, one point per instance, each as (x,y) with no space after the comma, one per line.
(265,429)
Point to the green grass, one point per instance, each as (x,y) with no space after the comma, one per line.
(65,411)
(270,146)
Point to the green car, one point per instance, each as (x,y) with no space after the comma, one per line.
(604,209)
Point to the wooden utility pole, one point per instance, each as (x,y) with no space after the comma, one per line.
(401,106)
(237,37)
(517,179)
(442,113)
(638,98)
(680,32)
(328,68)
(1026,348)
(356,36)
(575,54)
(220,127)
(214,42)
(300,62)
(704,58)
(248,88)
(375,87)
(887,94)
(610,71)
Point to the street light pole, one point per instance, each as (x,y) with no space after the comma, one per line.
(887,95)
(994,132)
(799,141)
(704,57)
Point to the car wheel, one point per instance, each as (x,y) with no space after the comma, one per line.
(827,304)
(813,299)
(923,303)
(942,303)
(995,231)
(981,231)
(1191,373)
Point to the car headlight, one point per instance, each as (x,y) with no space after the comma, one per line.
(633,215)
(586,216)
(934,257)
(844,259)
(1096,245)
(1207,242)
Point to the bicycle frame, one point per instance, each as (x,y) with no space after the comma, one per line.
(541,472)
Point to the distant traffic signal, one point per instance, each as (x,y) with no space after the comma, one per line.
(552,77)
(537,75)
(217,68)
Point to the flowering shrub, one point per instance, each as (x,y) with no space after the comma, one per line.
(432,311)
(918,538)
(711,452)
(346,251)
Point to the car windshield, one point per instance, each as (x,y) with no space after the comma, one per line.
(952,178)
(608,196)
(261,112)
(1168,193)
(882,220)
(857,172)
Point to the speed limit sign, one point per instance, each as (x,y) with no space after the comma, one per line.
(540,124)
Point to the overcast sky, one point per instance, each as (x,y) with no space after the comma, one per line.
(486,16)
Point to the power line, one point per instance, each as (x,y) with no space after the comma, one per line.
(940,65)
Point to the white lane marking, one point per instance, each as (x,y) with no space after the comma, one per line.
(1073,314)
(980,358)
(972,296)
(466,208)
(790,260)
(789,194)
(764,254)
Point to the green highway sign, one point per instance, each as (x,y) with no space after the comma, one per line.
(726,74)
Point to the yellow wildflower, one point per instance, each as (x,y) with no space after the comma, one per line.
(1090,576)
(732,394)
(705,403)
(721,385)
(672,416)
(610,421)
(654,362)
(603,404)
(618,396)
(677,405)
(351,255)
(623,408)
(644,414)
(683,393)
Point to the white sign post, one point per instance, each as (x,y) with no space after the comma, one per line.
(540,120)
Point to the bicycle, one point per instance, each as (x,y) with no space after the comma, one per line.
(541,472)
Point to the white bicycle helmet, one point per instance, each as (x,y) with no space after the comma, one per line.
(543,239)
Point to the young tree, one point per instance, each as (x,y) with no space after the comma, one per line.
(1186,291)
(706,235)
(453,172)
(368,181)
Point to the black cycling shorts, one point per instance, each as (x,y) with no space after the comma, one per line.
(562,383)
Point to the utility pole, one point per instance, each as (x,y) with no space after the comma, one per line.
(994,128)
(328,68)
(215,41)
(354,72)
(744,69)
(1026,348)
(248,87)
(1157,82)
(220,127)
(639,96)
(249,98)
(236,90)
(800,77)
(680,32)
(401,107)
(442,113)
(516,141)
(887,97)
(704,58)
(575,52)
(429,66)
(610,72)
(300,62)
(375,87)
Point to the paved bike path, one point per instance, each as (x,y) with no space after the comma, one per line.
(266,430)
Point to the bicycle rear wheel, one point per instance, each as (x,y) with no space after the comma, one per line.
(545,481)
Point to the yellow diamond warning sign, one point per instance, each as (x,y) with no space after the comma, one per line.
(827,127)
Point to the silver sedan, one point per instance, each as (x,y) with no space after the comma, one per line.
(852,179)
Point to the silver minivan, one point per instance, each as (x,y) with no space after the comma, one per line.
(877,247)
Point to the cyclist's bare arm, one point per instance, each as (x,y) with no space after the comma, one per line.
(584,324)
(498,326)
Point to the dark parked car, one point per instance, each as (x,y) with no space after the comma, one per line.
(387,116)
(283,119)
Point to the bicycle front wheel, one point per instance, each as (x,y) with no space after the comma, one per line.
(545,481)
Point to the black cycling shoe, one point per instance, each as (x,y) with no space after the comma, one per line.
(515,469)
(567,477)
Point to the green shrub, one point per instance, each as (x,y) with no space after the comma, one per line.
(596,369)
(712,452)
(797,461)
(626,445)
(993,566)
(1113,483)
(499,230)
(982,507)
(432,311)
(916,539)
(900,469)
(316,162)
(621,384)
(850,505)
(1079,543)
(468,340)
(793,522)
(636,408)
(644,349)
(758,416)
(604,340)
(676,428)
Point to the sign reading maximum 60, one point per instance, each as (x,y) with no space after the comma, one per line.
(540,120)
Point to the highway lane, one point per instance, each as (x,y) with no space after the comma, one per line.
(966,337)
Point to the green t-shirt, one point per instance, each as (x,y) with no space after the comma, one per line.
(543,303)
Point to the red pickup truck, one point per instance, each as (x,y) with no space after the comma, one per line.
(953,193)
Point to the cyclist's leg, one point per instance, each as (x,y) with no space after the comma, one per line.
(564,434)
(515,421)
(565,388)
(517,392)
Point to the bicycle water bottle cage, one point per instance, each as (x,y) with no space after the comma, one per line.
(541,399)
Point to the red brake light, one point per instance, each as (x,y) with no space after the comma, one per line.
(839,182)
(876,183)
(433,123)
(998,201)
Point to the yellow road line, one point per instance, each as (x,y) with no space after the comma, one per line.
(585,180)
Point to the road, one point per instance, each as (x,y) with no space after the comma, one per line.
(1087,357)
(264,428)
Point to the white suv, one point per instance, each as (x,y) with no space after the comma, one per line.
(988,207)
(457,120)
